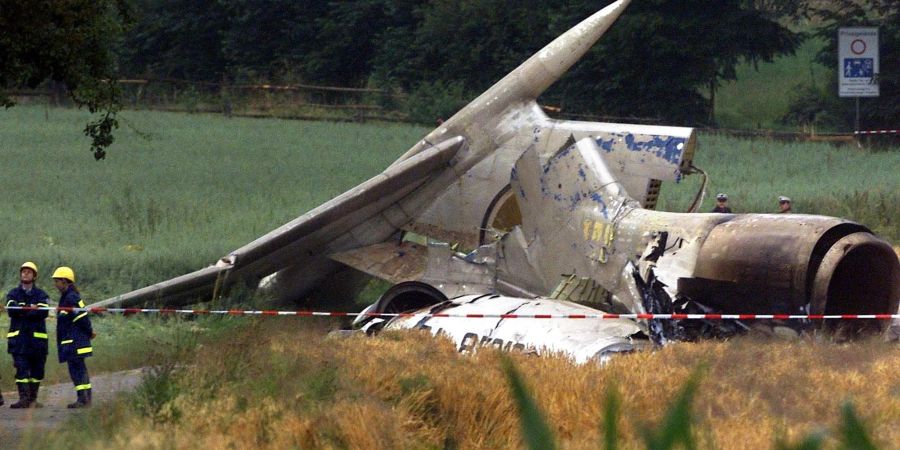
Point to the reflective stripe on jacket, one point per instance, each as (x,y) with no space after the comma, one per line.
(27,329)
(73,328)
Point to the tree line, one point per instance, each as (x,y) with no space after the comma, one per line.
(663,59)
(659,60)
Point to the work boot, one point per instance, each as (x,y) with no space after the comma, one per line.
(35,387)
(83,400)
(24,396)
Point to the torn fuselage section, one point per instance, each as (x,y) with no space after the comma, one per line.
(582,340)
(583,237)
(578,219)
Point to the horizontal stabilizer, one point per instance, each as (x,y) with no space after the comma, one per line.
(389,261)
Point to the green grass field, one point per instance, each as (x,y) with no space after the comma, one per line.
(178,191)
(758,98)
(839,181)
(199,187)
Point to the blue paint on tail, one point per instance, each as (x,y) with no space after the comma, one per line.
(669,149)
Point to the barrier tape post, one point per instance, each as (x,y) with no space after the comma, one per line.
(601,316)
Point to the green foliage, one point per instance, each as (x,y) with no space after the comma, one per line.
(470,43)
(877,207)
(877,112)
(269,39)
(675,430)
(535,429)
(413,384)
(341,58)
(431,101)
(71,43)
(176,38)
(661,56)
(853,432)
(813,107)
(611,408)
(762,93)
(157,389)
(670,51)
(676,427)
(136,215)
(320,385)
(853,435)
(160,208)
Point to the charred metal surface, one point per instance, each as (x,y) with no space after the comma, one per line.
(768,254)
(858,275)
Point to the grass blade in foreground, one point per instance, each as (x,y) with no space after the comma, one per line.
(854,433)
(535,430)
(676,428)
(611,418)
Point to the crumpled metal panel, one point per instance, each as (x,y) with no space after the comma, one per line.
(578,220)
(455,273)
(582,340)
(635,154)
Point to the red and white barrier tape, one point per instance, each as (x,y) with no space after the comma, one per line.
(877,132)
(267,312)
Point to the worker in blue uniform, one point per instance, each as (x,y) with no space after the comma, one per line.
(73,335)
(27,336)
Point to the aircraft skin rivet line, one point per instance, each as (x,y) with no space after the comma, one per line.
(269,312)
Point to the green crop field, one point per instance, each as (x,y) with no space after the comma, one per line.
(839,181)
(178,191)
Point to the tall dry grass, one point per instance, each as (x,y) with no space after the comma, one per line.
(274,385)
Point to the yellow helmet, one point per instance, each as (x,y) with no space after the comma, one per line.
(65,273)
(29,265)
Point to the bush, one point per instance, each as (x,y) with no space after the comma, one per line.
(434,101)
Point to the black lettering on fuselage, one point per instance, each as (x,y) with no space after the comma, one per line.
(468,342)
(471,340)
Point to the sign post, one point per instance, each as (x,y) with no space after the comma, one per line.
(858,64)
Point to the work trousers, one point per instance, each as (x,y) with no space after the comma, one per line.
(79,373)
(29,368)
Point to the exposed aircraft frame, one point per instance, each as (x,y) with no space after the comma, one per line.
(549,210)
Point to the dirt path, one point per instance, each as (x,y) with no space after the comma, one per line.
(16,425)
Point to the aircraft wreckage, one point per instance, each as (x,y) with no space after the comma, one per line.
(557,215)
